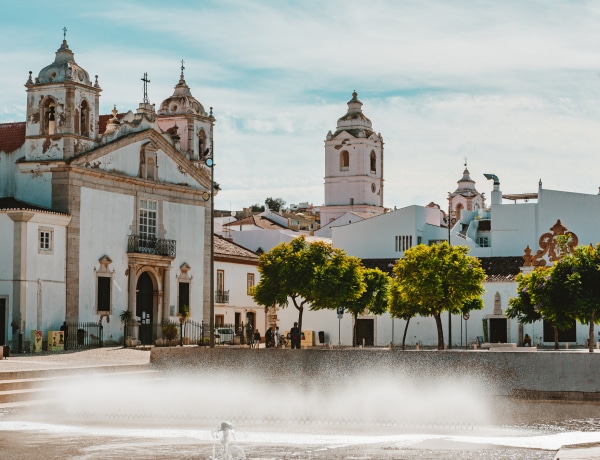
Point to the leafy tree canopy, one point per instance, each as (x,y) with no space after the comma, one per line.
(257,208)
(274,204)
(315,273)
(437,278)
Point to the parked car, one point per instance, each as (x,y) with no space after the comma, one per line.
(224,335)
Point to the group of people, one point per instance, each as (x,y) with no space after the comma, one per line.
(273,339)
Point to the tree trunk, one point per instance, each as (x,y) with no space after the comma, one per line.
(591,333)
(440,331)
(555,338)
(404,336)
(354,330)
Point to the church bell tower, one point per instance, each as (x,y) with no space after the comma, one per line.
(62,109)
(353,166)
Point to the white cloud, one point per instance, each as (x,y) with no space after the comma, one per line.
(513,86)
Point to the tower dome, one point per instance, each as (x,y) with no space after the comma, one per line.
(64,68)
(355,121)
(182,101)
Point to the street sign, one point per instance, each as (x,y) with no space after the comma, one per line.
(466,316)
(340,312)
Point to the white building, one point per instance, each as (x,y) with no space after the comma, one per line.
(102,214)
(236,274)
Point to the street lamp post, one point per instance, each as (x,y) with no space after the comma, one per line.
(450,244)
(210,162)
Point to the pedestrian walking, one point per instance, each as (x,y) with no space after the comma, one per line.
(256,337)
(295,336)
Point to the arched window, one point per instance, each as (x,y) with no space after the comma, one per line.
(84,119)
(373,162)
(201,143)
(459,208)
(48,117)
(344,161)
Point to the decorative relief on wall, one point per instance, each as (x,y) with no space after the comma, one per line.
(550,248)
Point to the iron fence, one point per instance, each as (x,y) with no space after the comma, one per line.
(84,335)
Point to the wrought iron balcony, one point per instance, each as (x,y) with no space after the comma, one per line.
(151,245)
(221,296)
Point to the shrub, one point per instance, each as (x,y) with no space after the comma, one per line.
(169,331)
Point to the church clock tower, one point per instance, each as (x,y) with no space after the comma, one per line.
(353,166)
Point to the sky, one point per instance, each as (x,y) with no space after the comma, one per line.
(511,87)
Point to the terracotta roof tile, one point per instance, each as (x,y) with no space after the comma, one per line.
(12,136)
(9,203)
(225,248)
(257,221)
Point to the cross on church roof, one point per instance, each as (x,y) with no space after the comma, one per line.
(146,81)
(64,33)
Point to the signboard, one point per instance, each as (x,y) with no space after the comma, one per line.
(466,316)
(36,341)
(340,312)
(56,340)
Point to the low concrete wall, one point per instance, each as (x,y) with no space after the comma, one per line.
(554,375)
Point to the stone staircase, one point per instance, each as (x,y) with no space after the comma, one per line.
(25,388)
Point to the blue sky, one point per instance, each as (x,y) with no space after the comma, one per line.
(512,86)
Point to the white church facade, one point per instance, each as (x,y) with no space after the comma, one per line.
(107,213)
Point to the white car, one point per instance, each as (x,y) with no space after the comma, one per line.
(224,335)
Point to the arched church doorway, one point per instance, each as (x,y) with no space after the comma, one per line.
(144,306)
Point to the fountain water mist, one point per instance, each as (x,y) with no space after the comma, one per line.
(378,412)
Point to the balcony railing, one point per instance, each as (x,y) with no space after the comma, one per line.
(221,296)
(151,245)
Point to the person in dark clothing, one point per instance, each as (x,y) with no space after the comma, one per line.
(65,329)
(269,338)
(256,339)
(295,336)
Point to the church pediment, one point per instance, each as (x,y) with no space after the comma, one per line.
(146,155)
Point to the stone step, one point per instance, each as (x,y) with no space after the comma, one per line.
(18,388)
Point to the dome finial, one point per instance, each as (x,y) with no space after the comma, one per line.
(64,34)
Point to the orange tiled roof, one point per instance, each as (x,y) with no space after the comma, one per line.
(257,221)
(12,136)
(9,203)
(225,248)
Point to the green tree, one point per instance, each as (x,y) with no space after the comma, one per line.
(374,298)
(257,208)
(400,307)
(542,294)
(580,275)
(438,278)
(314,274)
(274,204)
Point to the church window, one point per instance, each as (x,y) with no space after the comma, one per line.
(49,117)
(344,161)
(183,297)
(202,143)
(84,119)
(45,238)
(148,162)
(373,162)
(148,214)
(103,288)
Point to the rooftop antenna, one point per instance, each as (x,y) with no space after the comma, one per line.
(146,81)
